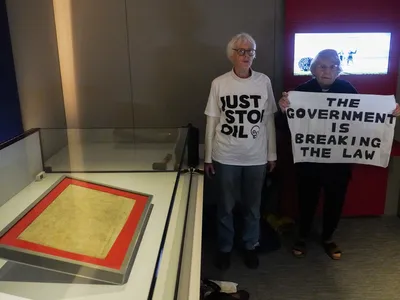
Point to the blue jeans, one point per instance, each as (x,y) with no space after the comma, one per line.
(244,184)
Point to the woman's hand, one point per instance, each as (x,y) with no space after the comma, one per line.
(209,169)
(271,166)
(284,101)
(396,112)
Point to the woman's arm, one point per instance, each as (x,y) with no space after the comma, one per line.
(211,126)
(271,131)
(272,156)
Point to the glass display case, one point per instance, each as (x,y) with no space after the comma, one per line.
(100,213)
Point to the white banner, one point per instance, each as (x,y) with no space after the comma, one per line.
(341,128)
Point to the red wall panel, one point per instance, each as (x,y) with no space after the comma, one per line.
(365,84)
(308,16)
(367,191)
(338,11)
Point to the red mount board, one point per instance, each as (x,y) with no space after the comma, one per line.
(119,254)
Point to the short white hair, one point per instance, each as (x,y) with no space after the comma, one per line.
(326,54)
(240,37)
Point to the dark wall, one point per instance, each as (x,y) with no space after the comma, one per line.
(10,113)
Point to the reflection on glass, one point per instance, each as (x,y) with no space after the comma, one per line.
(104,150)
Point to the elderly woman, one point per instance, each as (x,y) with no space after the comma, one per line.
(239,145)
(311,177)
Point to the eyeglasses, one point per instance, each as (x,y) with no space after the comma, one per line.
(242,52)
(330,68)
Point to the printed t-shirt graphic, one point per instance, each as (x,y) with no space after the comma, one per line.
(243,106)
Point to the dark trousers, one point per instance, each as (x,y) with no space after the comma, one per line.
(333,180)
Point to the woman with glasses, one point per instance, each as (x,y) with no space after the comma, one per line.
(239,145)
(311,177)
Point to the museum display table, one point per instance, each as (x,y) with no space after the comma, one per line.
(110,218)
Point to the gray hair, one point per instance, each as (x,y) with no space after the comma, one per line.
(240,37)
(327,54)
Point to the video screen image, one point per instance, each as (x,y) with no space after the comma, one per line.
(360,53)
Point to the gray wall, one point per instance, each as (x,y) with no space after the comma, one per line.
(34,43)
(101,55)
(137,63)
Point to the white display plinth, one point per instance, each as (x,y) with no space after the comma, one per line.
(38,284)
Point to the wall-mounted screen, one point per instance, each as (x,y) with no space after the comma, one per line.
(360,53)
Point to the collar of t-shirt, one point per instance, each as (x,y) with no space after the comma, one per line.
(239,78)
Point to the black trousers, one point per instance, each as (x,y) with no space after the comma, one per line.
(333,180)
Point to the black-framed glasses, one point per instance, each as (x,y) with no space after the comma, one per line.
(242,52)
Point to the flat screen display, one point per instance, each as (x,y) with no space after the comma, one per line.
(360,53)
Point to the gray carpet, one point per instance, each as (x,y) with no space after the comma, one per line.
(369,268)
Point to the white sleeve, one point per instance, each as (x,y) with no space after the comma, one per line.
(271,107)
(212,108)
(212,123)
(271,138)
(271,132)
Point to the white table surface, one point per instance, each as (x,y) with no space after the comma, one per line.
(36,284)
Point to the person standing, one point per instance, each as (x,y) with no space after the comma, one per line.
(332,178)
(239,146)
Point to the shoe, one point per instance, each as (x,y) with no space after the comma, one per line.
(299,249)
(332,250)
(251,259)
(223,260)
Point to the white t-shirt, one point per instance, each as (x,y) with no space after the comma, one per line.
(242,106)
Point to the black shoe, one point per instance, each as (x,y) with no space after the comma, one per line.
(251,259)
(223,260)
